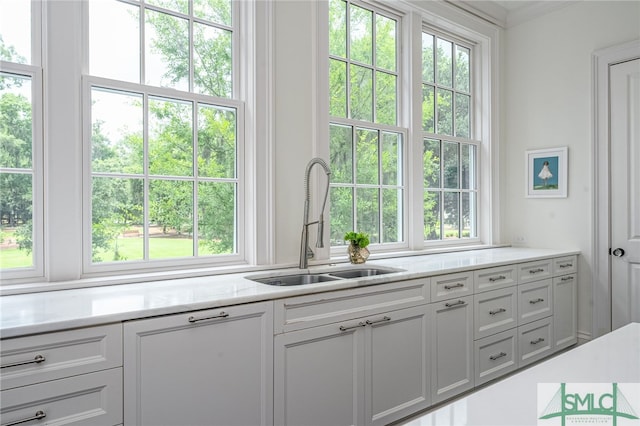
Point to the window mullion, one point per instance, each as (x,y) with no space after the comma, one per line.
(145,172)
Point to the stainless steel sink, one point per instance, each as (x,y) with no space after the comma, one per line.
(322,276)
(359,273)
(297,279)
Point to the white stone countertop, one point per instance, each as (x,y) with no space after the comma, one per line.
(32,313)
(591,368)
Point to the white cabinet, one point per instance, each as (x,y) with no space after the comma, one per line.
(210,367)
(451,347)
(535,340)
(496,355)
(565,317)
(495,311)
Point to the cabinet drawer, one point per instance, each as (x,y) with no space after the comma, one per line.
(496,355)
(39,358)
(534,271)
(445,287)
(494,278)
(495,311)
(92,399)
(565,265)
(535,340)
(535,301)
(297,313)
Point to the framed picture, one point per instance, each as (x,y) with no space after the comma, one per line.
(546,173)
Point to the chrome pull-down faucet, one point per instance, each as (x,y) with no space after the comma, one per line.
(305,251)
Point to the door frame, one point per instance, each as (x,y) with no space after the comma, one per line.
(602,60)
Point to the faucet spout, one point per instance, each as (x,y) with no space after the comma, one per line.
(305,251)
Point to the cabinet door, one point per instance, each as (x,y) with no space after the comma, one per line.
(565,316)
(451,348)
(397,357)
(209,367)
(319,375)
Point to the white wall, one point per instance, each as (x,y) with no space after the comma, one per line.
(548,103)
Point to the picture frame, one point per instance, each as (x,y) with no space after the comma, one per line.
(546,173)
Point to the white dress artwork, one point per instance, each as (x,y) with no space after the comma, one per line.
(545,173)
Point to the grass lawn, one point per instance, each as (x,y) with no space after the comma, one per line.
(15,258)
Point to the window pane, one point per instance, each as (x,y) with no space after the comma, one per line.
(367,157)
(361,93)
(217,144)
(445,112)
(338,28)
(451,215)
(114,54)
(216,218)
(444,62)
(386,98)
(468,215)
(181,6)
(16,121)
(368,213)
(468,166)
(428,108)
(341,154)
(170,138)
(462,69)
(219,11)
(341,214)
(212,61)
(117,224)
(15,31)
(450,164)
(337,88)
(431,163)
(385,43)
(432,215)
(171,219)
(427,58)
(361,21)
(16,212)
(463,118)
(391,215)
(166,51)
(391,158)
(116,132)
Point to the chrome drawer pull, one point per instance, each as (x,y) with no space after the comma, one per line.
(360,324)
(449,287)
(498,278)
(538,300)
(566,265)
(497,311)
(222,314)
(37,360)
(451,305)
(538,340)
(569,278)
(498,356)
(535,271)
(384,319)
(39,415)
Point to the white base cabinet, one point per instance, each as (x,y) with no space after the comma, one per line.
(209,367)
(565,316)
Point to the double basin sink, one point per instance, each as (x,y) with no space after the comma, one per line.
(320,277)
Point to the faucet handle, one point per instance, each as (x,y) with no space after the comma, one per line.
(309,253)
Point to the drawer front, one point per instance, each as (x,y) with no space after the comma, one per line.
(494,278)
(445,287)
(496,355)
(34,359)
(495,311)
(297,313)
(534,271)
(535,301)
(565,265)
(93,399)
(535,340)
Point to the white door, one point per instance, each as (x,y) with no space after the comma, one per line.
(625,192)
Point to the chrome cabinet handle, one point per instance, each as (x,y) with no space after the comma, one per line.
(449,287)
(566,265)
(535,271)
(451,305)
(360,324)
(39,415)
(569,278)
(497,356)
(222,314)
(37,360)
(538,300)
(384,319)
(497,311)
(538,340)
(498,278)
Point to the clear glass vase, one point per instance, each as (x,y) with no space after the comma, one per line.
(357,254)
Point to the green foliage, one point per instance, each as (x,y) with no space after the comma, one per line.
(359,239)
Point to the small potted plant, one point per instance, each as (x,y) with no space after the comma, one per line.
(358,242)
